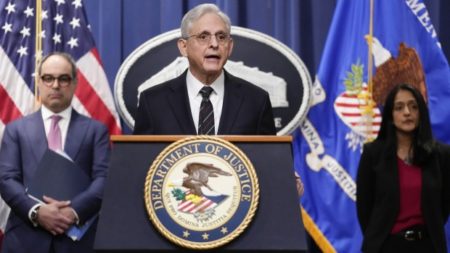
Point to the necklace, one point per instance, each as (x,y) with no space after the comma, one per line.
(406,154)
(407,160)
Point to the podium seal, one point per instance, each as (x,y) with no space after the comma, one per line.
(201,192)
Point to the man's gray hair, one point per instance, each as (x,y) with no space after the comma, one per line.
(197,12)
(66,56)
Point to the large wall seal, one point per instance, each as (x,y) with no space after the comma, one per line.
(257,58)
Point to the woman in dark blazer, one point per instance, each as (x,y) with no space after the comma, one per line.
(403,194)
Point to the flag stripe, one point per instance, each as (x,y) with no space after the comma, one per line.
(90,66)
(351,105)
(96,56)
(15,87)
(76,103)
(9,110)
(351,114)
(193,206)
(94,104)
(204,205)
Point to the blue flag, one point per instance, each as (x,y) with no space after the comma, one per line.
(328,145)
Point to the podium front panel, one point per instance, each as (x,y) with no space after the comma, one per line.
(124,224)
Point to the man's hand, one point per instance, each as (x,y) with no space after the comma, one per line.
(299,183)
(52,219)
(69,213)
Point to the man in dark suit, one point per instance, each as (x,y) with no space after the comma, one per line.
(40,227)
(178,105)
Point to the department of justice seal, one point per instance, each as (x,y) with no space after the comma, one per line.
(201,192)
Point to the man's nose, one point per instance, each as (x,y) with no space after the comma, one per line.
(213,42)
(56,84)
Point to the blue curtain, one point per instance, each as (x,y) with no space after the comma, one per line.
(120,26)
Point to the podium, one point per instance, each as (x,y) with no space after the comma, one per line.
(124,224)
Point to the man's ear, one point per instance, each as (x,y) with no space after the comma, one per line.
(230,47)
(182,46)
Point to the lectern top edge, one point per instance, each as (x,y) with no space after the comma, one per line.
(172,138)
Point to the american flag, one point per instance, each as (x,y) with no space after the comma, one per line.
(64,28)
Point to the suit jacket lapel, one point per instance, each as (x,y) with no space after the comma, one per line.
(431,176)
(232,101)
(391,177)
(75,134)
(386,168)
(179,103)
(36,134)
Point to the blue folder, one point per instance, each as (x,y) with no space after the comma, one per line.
(58,177)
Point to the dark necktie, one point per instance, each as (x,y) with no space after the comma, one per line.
(206,117)
(54,135)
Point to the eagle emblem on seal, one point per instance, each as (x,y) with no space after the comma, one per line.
(196,195)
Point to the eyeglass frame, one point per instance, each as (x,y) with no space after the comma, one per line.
(208,37)
(61,83)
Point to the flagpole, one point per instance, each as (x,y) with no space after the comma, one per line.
(370,104)
(370,56)
(38,50)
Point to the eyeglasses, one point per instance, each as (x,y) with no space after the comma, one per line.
(63,80)
(205,38)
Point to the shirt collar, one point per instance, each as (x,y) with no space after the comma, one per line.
(65,114)
(194,85)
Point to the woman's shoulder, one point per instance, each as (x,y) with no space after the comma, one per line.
(443,150)
(442,146)
(376,145)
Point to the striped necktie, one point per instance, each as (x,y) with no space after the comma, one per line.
(206,116)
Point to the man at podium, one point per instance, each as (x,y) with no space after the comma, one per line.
(205,99)
(41,226)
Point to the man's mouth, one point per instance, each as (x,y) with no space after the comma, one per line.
(57,95)
(212,57)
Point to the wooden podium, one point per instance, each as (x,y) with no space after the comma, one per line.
(124,225)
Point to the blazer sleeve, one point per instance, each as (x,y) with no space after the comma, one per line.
(266,125)
(11,174)
(142,122)
(88,203)
(444,164)
(365,183)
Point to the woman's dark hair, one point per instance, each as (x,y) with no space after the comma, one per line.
(423,142)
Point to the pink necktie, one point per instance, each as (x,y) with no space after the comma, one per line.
(54,135)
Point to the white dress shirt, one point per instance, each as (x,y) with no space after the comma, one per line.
(195,98)
(63,122)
